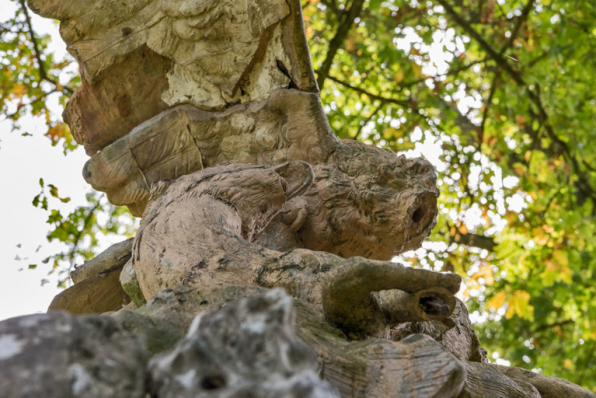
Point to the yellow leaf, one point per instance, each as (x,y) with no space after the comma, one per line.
(548,229)
(486,217)
(519,304)
(485,272)
(561,258)
(520,169)
(350,44)
(463,229)
(417,70)
(56,132)
(19,90)
(392,133)
(568,364)
(496,301)
(399,76)
(539,236)
(520,120)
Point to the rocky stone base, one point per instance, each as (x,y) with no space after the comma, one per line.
(241,342)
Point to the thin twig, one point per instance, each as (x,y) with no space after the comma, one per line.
(42,70)
(338,40)
(368,119)
(583,183)
(522,18)
(370,95)
(77,239)
(487,105)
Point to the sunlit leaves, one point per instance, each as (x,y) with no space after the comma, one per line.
(80,230)
(28,79)
(517,163)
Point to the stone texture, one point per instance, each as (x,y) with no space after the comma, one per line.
(416,367)
(112,258)
(59,355)
(130,284)
(289,125)
(247,349)
(549,387)
(97,287)
(224,208)
(485,381)
(455,333)
(95,295)
(211,55)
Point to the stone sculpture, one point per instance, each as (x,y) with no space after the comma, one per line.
(203,117)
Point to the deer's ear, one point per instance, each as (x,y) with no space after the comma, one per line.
(299,176)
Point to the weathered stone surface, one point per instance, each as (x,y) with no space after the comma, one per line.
(59,355)
(456,334)
(224,208)
(247,349)
(125,102)
(368,202)
(130,284)
(112,258)
(417,367)
(485,381)
(97,288)
(290,125)
(211,55)
(94,295)
(165,319)
(549,387)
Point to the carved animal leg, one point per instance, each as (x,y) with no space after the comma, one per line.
(424,295)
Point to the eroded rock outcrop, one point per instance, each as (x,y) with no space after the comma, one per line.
(247,349)
(59,355)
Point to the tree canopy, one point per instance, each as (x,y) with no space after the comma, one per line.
(500,92)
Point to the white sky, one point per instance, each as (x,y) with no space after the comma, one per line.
(23,160)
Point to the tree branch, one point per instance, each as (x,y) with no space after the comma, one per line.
(522,18)
(42,70)
(552,325)
(368,119)
(448,73)
(338,40)
(474,240)
(402,103)
(487,105)
(73,251)
(33,101)
(534,94)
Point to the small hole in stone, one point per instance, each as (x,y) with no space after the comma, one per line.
(434,305)
(419,214)
(213,382)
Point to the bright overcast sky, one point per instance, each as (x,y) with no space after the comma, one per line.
(23,161)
